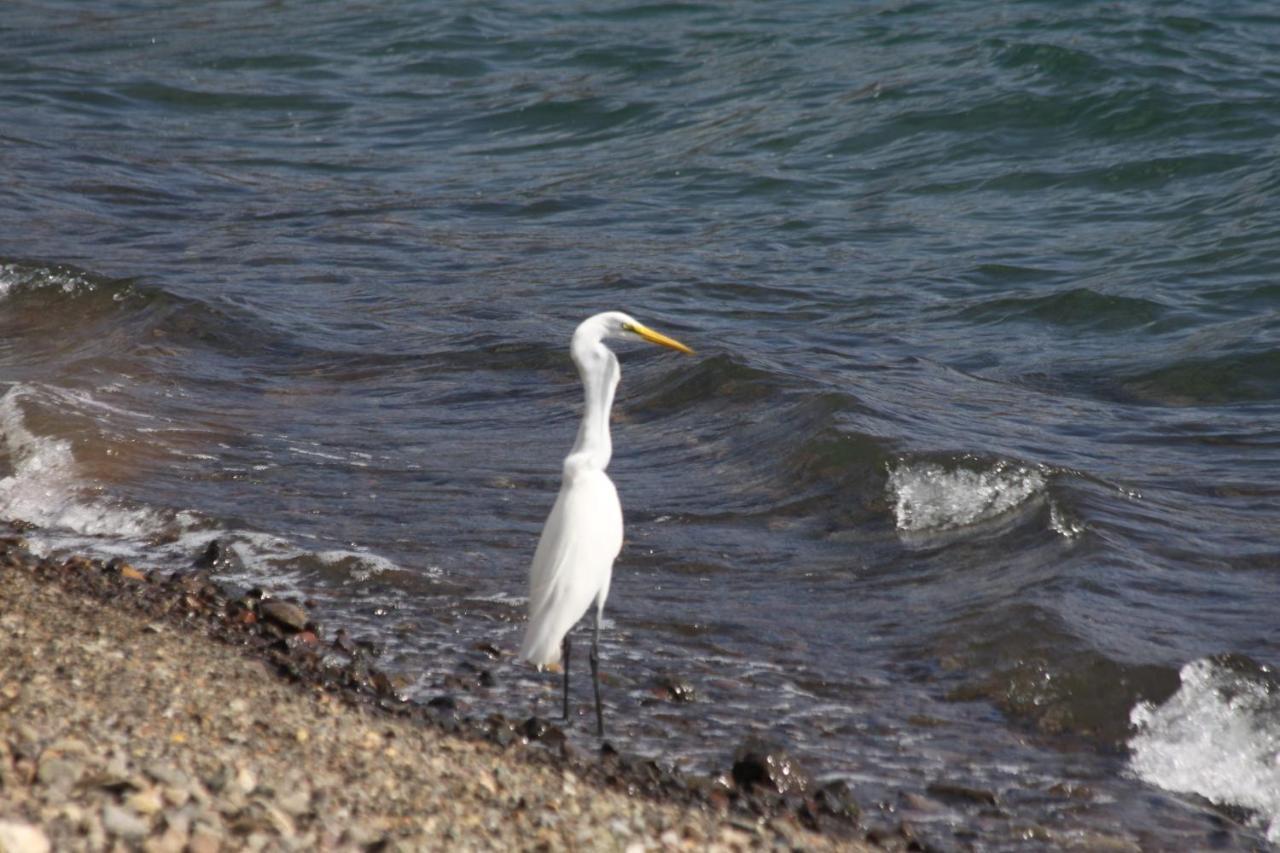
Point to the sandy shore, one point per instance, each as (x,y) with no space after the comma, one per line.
(123,725)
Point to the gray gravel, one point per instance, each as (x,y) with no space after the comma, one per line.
(120,733)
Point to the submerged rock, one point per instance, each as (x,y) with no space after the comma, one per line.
(951,791)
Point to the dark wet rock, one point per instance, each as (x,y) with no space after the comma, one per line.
(486,678)
(1074,790)
(13,543)
(919,838)
(218,557)
(78,563)
(381,683)
(911,801)
(670,688)
(500,730)
(284,613)
(961,793)
(443,703)
(199,583)
(124,569)
(835,799)
(536,728)
(342,640)
(760,764)
(489,649)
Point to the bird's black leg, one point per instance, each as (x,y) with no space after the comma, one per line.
(564,649)
(594,659)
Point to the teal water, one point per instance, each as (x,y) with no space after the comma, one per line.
(975,472)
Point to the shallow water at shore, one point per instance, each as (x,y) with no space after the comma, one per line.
(973,473)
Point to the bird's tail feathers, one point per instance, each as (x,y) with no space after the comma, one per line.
(541,647)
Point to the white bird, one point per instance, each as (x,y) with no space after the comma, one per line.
(573,563)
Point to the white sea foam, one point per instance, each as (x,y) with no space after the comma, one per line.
(362,565)
(1063,523)
(928,496)
(42,485)
(45,486)
(1218,736)
(21,276)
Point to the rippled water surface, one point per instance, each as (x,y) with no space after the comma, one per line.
(973,481)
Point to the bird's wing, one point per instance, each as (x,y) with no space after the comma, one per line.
(573,562)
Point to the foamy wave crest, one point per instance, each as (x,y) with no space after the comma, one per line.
(42,485)
(929,496)
(1218,736)
(19,276)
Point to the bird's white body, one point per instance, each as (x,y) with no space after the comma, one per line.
(570,571)
(573,563)
(583,534)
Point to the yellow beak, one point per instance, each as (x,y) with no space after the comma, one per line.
(658,338)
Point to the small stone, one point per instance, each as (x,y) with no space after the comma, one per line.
(146,802)
(246,781)
(123,823)
(295,803)
(69,746)
(59,775)
(173,840)
(177,797)
(128,572)
(285,614)
(205,839)
(18,837)
(167,775)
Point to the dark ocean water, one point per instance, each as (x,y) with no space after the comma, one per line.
(975,478)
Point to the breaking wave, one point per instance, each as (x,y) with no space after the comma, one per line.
(1218,736)
(44,484)
(931,496)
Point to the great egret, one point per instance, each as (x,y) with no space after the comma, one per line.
(583,534)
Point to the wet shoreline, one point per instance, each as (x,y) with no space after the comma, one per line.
(275,644)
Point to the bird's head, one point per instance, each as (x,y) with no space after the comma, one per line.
(619,326)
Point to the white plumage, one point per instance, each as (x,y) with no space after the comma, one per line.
(573,563)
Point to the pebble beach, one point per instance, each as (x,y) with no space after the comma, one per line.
(124,725)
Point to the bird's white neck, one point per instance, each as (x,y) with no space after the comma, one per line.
(598,368)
